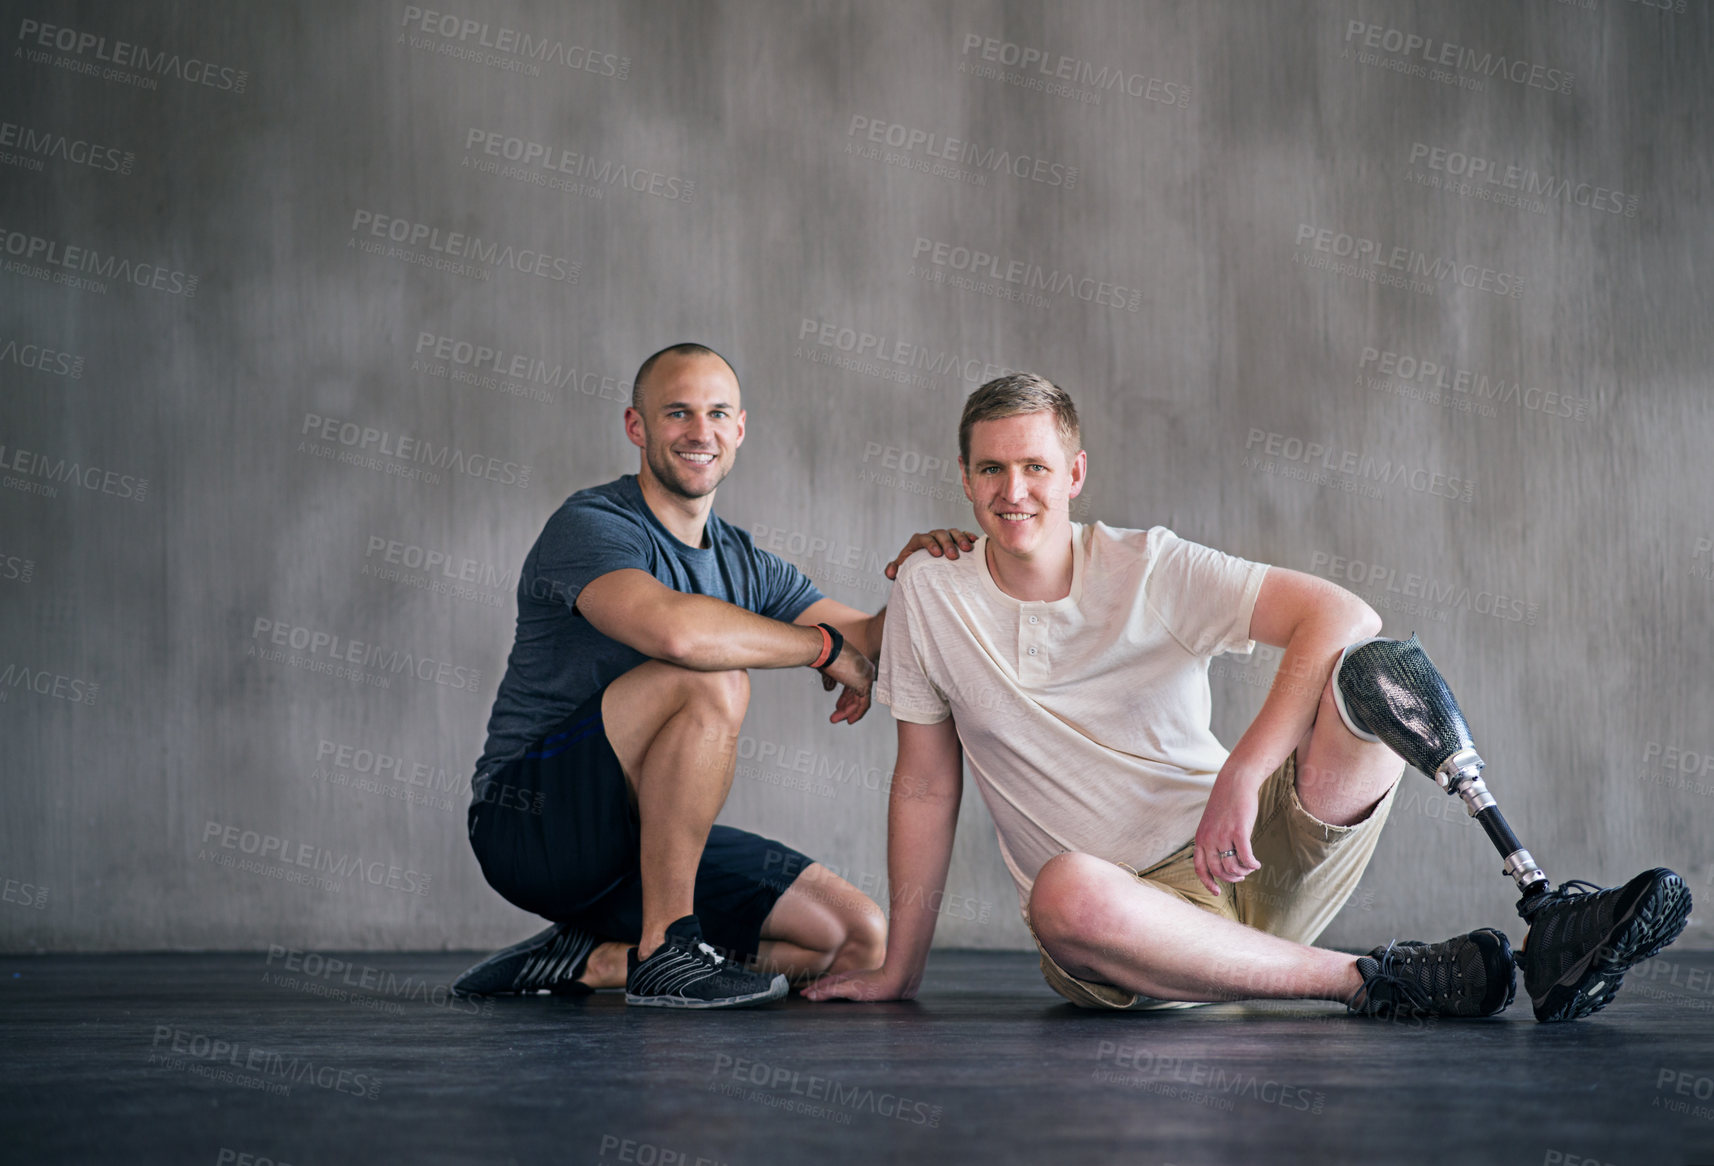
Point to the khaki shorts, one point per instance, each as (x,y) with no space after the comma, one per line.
(1309,869)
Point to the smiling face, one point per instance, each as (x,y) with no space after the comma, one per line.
(689,425)
(1020,480)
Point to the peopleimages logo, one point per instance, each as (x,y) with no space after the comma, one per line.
(1382,580)
(332,654)
(459,246)
(47,144)
(1405,374)
(365,985)
(45,683)
(514,374)
(366,444)
(40,469)
(1354,467)
(547,165)
(1416,54)
(651,1154)
(16,568)
(1023,276)
(310,857)
(455,568)
(1372,260)
(890,350)
(780,1086)
(1140,1066)
(479,40)
(24,249)
(1704,549)
(368,762)
(123,55)
(41,358)
(30,895)
(940,147)
(1062,76)
(1489,177)
(278,1071)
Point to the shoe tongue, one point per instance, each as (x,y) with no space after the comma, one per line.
(689,929)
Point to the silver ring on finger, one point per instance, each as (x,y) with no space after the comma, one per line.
(1227,853)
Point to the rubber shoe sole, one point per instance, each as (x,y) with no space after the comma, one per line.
(1503,944)
(777,987)
(1640,931)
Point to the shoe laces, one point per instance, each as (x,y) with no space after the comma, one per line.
(1572,892)
(1387,973)
(1567,917)
(1575,888)
(697,950)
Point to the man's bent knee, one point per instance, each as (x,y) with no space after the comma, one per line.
(725,694)
(1072,901)
(645,700)
(865,943)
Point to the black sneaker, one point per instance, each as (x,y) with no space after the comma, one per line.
(548,962)
(685,972)
(1469,975)
(1583,939)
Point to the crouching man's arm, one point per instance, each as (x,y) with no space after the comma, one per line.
(706,634)
(922,816)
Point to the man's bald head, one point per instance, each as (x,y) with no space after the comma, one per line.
(676,350)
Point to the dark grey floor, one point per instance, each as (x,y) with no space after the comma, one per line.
(209,1058)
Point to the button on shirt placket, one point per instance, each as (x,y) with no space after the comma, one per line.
(1032,646)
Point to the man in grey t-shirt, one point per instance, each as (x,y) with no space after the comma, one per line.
(613,738)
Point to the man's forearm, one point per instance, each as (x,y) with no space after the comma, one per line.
(1291,703)
(921,826)
(871,644)
(711,635)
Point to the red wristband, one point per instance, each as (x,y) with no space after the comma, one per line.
(826,652)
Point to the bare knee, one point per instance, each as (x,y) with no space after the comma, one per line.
(1341,778)
(830,925)
(1072,903)
(723,695)
(863,945)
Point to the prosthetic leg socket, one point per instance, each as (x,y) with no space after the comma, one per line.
(1390,691)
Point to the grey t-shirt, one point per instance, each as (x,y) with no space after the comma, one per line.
(559,660)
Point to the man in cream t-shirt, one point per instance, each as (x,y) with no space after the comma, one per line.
(1068,664)
(1084,719)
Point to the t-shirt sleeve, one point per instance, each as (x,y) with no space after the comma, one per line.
(1204,597)
(903,683)
(783,592)
(584,540)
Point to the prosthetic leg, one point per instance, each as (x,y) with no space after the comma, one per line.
(1390,691)
(1582,937)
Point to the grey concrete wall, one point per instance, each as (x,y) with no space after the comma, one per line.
(1413,297)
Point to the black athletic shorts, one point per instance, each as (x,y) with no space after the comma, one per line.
(555,833)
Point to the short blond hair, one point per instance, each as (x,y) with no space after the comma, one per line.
(1019,393)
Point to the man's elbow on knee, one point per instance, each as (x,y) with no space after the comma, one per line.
(675,645)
